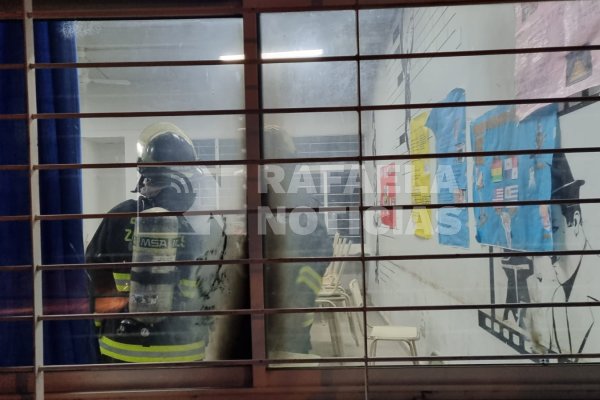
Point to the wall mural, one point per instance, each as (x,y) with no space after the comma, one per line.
(505,178)
(448,124)
(527,280)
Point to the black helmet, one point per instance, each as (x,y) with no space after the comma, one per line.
(169,187)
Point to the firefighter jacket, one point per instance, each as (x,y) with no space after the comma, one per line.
(172,339)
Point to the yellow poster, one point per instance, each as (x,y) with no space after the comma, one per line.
(421,181)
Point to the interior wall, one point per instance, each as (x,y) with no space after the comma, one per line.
(421,282)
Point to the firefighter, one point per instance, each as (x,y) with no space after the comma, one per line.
(156,238)
(291,285)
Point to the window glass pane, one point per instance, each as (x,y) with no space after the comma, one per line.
(312,336)
(13,93)
(199,189)
(311,135)
(309,85)
(15,298)
(214,137)
(142,339)
(14,185)
(13,301)
(308,34)
(156,40)
(152,89)
(525,228)
(480,333)
(478,27)
(12,81)
(311,185)
(16,150)
(426,181)
(498,77)
(12,41)
(17,343)
(489,129)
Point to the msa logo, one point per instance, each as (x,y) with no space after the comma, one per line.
(157,243)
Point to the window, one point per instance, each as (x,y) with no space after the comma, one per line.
(242,198)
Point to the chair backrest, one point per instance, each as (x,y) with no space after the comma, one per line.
(334,271)
(356,294)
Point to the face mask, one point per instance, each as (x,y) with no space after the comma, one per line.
(150,191)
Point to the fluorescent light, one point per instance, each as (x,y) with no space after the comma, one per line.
(232,57)
(275,55)
(293,54)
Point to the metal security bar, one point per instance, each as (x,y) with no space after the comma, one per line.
(253,378)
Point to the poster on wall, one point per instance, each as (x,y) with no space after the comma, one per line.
(421,177)
(518,279)
(556,74)
(448,125)
(387,183)
(505,178)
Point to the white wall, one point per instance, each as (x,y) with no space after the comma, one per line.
(430,282)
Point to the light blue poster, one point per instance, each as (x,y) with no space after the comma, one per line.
(514,178)
(448,125)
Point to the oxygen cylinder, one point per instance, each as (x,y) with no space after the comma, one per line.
(155,239)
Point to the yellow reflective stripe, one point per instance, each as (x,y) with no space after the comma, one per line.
(97,323)
(188,287)
(310,278)
(158,353)
(308,321)
(122,281)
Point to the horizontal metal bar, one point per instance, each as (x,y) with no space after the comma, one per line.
(305,209)
(353,58)
(14,218)
(315,160)
(272,361)
(14,167)
(141,12)
(235,10)
(540,357)
(136,165)
(308,5)
(18,370)
(134,114)
(299,361)
(22,66)
(12,117)
(10,15)
(305,310)
(61,217)
(16,318)
(18,268)
(499,204)
(293,110)
(290,260)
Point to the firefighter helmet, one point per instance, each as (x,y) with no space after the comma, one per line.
(170,187)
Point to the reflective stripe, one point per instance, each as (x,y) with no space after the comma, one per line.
(310,278)
(308,321)
(122,281)
(97,323)
(160,353)
(188,288)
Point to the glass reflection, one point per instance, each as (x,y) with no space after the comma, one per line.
(153,238)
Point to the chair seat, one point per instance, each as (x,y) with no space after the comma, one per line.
(394,333)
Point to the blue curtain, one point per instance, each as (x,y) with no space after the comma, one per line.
(65,342)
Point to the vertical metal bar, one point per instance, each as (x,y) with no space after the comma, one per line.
(492,284)
(34,194)
(361,212)
(253,196)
